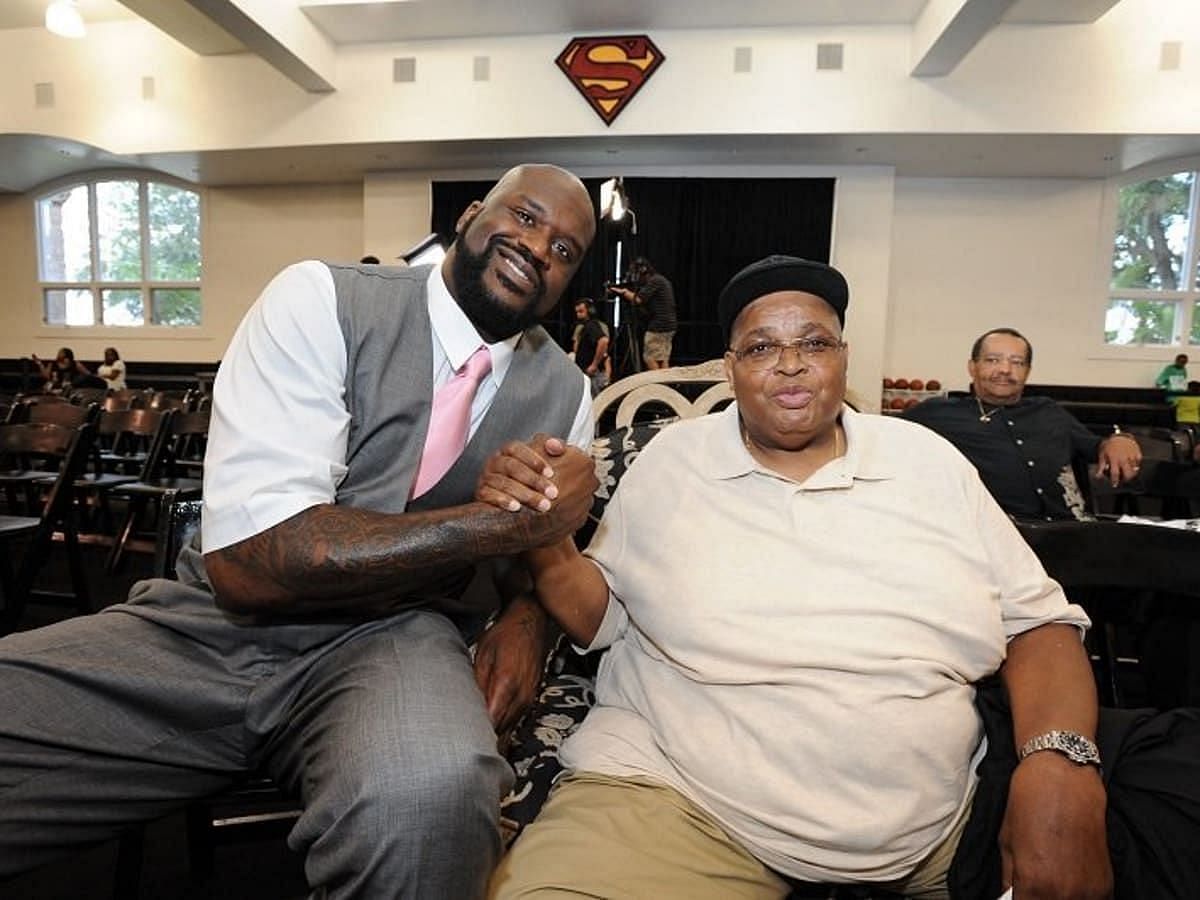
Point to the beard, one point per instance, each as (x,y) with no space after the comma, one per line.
(489,313)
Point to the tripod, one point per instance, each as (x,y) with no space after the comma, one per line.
(626,341)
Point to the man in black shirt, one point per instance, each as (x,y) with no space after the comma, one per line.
(590,345)
(1023,447)
(655,293)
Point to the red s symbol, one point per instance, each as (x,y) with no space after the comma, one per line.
(608,71)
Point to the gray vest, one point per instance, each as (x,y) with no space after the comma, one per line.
(384,318)
(389,382)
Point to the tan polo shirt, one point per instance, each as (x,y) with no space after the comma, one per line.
(798,659)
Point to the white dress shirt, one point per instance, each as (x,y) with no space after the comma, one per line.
(279,430)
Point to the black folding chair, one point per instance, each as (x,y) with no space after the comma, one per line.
(66,448)
(122,446)
(181,437)
(1115,570)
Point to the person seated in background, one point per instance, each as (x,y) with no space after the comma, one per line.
(1187,412)
(112,370)
(1173,379)
(797,602)
(589,345)
(65,373)
(319,629)
(1023,447)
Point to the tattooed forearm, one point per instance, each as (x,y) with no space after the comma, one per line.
(337,559)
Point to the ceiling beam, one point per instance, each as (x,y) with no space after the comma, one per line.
(1060,12)
(279,33)
(947,30)
(185,24)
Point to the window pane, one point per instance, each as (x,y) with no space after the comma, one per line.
(69,307)
(1194,338)
(1152,226)
(177,306)
(120,237)
(122,307)
(66,253)
(1140,322)
(174,233)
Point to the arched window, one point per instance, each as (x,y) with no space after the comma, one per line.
(119,250)
(1154,286)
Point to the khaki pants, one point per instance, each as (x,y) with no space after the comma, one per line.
(599,836)
(656,346)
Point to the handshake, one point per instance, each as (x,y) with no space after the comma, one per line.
(547,480)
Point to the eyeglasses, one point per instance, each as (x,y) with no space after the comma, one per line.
(767,354)
(991,361)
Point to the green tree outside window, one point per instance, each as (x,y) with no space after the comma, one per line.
(143,243)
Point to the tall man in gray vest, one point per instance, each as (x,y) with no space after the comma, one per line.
(318,631)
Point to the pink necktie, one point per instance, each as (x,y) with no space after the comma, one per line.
(450,420)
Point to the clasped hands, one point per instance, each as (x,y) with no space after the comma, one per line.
(549,485)
(545,476)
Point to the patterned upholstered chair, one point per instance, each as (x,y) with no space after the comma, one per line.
(639,407)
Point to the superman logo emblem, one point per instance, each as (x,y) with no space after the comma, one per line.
(608,71)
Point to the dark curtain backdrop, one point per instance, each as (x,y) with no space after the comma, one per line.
(695,231)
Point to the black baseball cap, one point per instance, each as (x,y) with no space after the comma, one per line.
(781,273)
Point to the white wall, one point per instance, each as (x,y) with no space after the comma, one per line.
(1101,78)
(248,235)
(396,213)
(1032,254)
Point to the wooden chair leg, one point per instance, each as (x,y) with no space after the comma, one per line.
(35,557)
(1109,665)
(9,611)
(201,846)
(79,582)
(117,553)
(130,856)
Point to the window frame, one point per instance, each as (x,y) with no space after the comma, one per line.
(1187,299)
(96,286)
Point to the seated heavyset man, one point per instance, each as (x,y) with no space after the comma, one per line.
(318,637)
(798,602)
(1023,447)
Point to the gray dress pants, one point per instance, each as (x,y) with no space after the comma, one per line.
(119,717)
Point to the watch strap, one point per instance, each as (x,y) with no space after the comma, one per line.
(1072,744)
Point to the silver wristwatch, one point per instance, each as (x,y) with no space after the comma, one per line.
(1071,744)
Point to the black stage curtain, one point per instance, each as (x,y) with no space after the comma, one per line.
(695,231)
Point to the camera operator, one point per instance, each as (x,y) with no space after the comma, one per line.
(645,287)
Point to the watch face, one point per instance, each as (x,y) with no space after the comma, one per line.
(1076,747)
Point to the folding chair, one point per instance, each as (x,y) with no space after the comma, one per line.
(23,477)
(121,448)
(53,410)
(67,448)
(164,400)
(1114,569)
(126,398)
(182,435)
